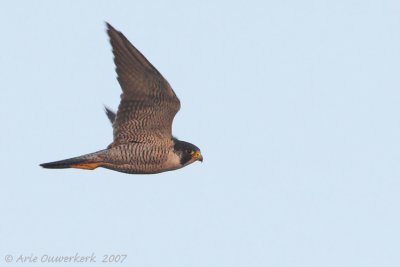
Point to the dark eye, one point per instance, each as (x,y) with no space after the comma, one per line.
(189,151)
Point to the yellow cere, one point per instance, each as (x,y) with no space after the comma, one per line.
(196,154)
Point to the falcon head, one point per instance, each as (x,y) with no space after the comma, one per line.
(187,152)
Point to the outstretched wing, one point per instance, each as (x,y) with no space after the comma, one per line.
(148,103)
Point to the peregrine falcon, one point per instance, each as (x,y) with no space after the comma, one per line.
(142,127)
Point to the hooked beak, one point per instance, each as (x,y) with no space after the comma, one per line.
(197,156)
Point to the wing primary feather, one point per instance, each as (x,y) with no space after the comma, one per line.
(110,114)
(122,46)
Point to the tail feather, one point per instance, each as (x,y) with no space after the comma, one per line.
(87,162)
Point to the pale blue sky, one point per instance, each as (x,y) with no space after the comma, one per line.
(295,105)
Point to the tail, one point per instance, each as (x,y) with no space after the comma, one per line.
(87,162)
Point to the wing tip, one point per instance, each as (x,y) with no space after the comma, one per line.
(110,114)
(111,29)
(108,25)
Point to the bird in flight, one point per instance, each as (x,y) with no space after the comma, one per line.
(142,127)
